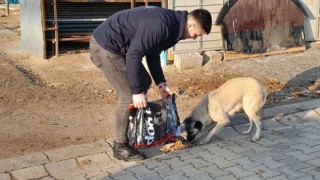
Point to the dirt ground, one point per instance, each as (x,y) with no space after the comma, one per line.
(45,104)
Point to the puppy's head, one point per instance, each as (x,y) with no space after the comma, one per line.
(193,128)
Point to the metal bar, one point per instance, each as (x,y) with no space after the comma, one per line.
(7,8)
(107,1)
(43,19)
(56,32)
(133,3)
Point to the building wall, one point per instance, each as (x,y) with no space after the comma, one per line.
(311,23)
(31,27)
(212,41)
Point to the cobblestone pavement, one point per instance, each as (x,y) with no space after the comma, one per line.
(289,149)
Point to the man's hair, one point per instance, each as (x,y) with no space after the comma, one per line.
(203,17)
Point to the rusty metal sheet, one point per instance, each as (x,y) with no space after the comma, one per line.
(258,26)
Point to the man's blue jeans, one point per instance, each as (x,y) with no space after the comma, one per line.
(114,68)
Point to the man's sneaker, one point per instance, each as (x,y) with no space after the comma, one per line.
(124,151)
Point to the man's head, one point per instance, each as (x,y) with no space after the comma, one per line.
(199,22)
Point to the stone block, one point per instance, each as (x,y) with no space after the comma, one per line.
(34,172)
(78,150)
(94,162)
(64,169)
(25,161)
(5,176)
(188,61)
(214,56)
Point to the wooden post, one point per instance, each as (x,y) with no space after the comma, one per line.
(7,8)
(133,3)
(146,2)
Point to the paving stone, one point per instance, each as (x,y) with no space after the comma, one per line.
(46,178)
(315,162)
(98,174)
(78,150)
(102,177)
(291,173)
(141,170)
(198,162)
(268,161)
(189,170)
(221,162)
(153,176)
(281,177)
(263,171)
(306,178)
(176,162)
(214,171)
(152,163)
(254,177)
(79,177)
(295,163)
(316,154)
(307,104)
(224,152)
(30,173)
(227,177)
(246,161)
(64,169)
(304,148)
(177,176)
(169,172)
(122,174)
(314,171)
(239,172)
(204,176)
(20,162)
(308,115)
(126,177)
(5,176)
(94,162)
(301,156)
(163,169)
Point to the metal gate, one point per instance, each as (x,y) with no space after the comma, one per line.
(208,42)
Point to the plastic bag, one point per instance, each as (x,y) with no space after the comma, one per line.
(154,125)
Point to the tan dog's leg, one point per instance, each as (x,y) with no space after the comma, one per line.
(218,116)
(254,112)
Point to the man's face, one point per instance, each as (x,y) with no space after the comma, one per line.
(193,30)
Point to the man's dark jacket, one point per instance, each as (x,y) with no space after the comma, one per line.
(138,32)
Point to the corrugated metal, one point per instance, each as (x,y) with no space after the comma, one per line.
(206,42)
(77,19)
(252,26)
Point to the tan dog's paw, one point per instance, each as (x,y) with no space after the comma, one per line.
(245,132)
(255,138)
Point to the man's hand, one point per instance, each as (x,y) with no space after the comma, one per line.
(164,90)
(139,100)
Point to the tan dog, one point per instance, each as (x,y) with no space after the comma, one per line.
(239,94)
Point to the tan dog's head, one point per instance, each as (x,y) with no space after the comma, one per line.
(193,128)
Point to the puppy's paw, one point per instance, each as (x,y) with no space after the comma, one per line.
(255,138)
